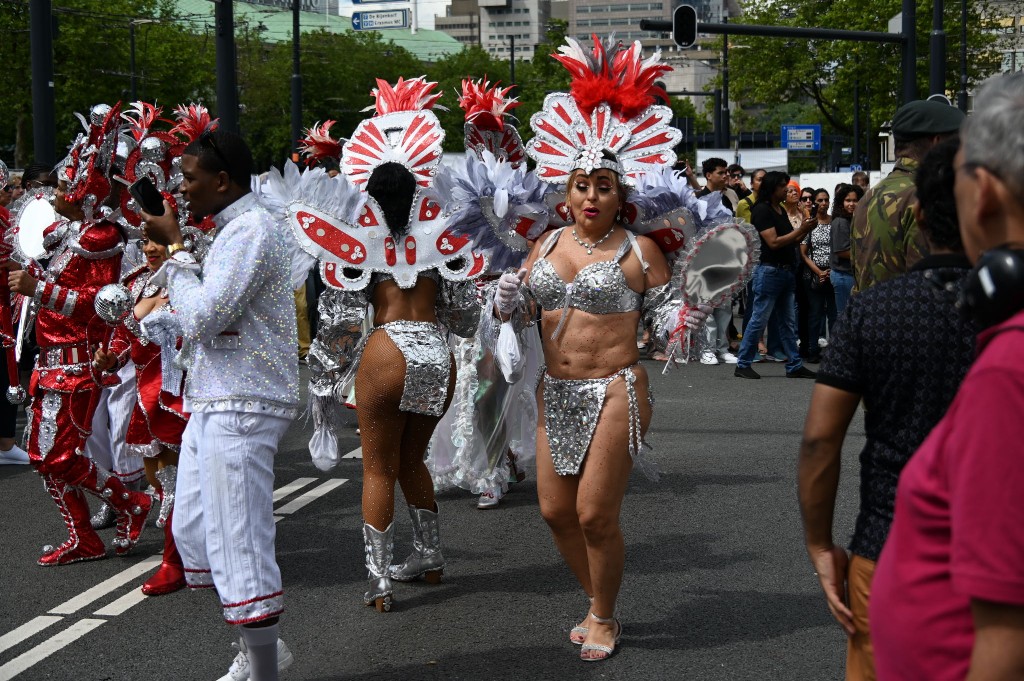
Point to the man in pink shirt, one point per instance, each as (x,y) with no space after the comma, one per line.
(948,594)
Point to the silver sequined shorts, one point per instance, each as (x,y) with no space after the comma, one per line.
(571,409)
(428,365)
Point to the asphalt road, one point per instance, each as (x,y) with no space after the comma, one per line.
(717,583)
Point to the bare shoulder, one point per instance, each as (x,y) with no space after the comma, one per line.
(650,249)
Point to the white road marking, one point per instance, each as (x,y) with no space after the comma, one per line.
(103,588)
(27,630)
(311,496)
(293,486)
(48,647)
(120,605)
(115,608)
(356,453)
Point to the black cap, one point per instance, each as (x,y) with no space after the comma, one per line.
(924,118)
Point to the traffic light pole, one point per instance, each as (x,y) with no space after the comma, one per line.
(906,38)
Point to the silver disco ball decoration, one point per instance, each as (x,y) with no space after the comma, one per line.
(16,394)
(113,303)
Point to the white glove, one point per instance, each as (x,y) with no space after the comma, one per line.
(697,316)
(506,298)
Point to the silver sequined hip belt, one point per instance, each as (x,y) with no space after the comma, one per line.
(571,409)
(428,365)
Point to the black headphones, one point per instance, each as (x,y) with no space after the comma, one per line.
(994,290)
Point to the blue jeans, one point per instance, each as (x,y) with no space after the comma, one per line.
(842,284)
(774,344)
(774,289)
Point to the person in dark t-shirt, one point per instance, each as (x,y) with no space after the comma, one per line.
(775,277)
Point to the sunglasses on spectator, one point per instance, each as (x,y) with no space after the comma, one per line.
(736,176)
(806,198)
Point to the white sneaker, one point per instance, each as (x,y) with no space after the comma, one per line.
(490,498)
(822,342)
(239,670)
(728,358)
(14,455)
(708,357)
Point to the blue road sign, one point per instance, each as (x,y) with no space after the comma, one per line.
(801,137)
(383,19)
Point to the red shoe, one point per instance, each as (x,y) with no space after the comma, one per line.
(82,543)
(131,519)
(171,575)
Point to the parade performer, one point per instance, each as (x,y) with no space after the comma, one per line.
(487,436)
(158,418)
(382,238)
(84,254)
(594,281)
(238,331)
(10,452)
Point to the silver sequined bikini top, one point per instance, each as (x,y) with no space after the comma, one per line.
(598,288)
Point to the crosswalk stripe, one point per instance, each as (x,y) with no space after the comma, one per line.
(356,453)
(103,588)
(48,647)
(27,630)
(293,486)
(310,496)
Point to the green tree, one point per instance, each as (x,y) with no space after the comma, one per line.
(173,63)
(824,73)
(449,72)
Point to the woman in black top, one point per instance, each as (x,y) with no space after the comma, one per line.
(847,196)
(774,277)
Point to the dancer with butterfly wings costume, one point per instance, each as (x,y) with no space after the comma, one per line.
(381,238)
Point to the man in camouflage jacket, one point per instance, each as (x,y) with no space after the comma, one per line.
(885,239)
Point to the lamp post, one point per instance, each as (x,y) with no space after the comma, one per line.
(296,81)
(962,96)
(131,52)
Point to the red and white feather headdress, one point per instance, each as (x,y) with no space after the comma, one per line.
(608,119)
(318,143)
(403,130)
(486,128)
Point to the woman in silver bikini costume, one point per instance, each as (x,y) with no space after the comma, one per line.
(594,281)
(382,239)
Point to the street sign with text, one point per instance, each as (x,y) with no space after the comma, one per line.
(801,137)
(383,19)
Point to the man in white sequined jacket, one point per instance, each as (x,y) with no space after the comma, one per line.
(237,322)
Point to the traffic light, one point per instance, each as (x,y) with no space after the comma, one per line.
(684,26)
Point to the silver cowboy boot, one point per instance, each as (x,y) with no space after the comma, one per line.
(379,550)
(425,560)
(168,478)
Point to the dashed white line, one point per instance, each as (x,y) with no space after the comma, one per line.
(27,630)
(356,453)
(293,486)
(103,588)
(115,608)
(48,647)
(311,496)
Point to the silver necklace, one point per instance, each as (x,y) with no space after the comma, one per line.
(590,247)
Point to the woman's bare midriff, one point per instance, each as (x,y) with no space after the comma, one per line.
(589,345)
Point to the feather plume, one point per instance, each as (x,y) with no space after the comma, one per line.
(613,74)
(486,106)
(405,95)
(193,121)
(318,143)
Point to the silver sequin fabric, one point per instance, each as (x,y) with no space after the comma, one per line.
(239,316)
(598,288)
(427,365)
(571,408)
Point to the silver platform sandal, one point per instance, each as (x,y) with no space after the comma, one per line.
(425,561)
(379,549)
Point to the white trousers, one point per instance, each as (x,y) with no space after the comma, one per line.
(224,511)
(718,328)
(106,444)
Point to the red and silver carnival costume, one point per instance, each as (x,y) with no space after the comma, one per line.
(83,256)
